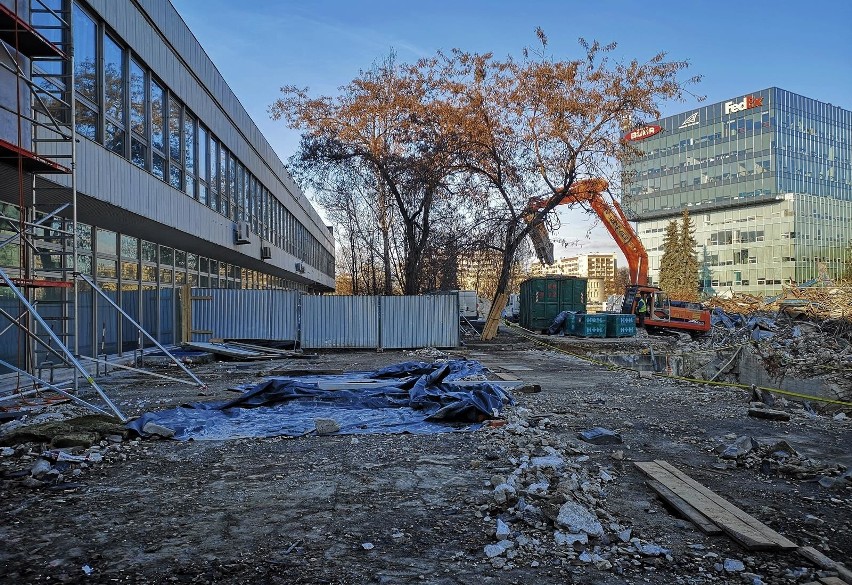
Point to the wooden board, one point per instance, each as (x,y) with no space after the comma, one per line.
(741,515)
(831,581)
(507,377)
(679,504)
(743,528)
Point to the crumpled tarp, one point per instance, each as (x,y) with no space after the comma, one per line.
(560,322)
(413,397)
(761,327)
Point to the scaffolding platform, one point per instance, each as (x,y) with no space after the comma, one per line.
(19,33)
(32,163)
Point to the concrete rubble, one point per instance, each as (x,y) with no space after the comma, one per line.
(551,505)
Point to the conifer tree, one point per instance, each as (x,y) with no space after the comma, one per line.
(687,261)
(669,261)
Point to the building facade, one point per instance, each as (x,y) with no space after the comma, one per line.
(598,269)
(766,178)
(175,184)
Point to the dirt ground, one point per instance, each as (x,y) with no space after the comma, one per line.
(422,508)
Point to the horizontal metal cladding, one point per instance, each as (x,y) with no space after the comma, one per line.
(244,314)
(340,322)
(412,322)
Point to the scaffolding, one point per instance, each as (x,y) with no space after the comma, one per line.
(38,139)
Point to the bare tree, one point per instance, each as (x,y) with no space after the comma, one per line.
(530,129)
(384,124)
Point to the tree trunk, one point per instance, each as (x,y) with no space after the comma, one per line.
(500,295)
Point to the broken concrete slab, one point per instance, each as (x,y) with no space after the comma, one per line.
(600,436)
(769,414)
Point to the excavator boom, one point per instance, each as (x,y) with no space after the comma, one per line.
(666,313)
(591,191)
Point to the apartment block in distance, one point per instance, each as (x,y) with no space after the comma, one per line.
(597,268)
(135,164)
(766,178)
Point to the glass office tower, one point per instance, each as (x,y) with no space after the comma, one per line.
(765,176)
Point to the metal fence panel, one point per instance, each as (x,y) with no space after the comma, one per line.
(413,322)
(243,314)
(340,322)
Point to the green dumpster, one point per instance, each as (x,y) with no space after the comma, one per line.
(541,299)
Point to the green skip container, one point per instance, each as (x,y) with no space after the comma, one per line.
(541,299)
(586,325)
(620,325)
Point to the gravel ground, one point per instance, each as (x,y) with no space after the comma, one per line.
(423,508)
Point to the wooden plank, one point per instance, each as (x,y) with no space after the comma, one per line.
(769,534)
(816,557)
(700,520)
(832,581)
(507,377)
(722,514)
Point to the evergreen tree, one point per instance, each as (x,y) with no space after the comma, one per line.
(688,262)
(669,261)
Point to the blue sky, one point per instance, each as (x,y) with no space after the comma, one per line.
(738,46)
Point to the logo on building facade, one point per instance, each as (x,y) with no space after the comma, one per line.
(691,120)
(748,103)
(644,132)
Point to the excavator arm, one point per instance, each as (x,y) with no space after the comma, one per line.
(591,191)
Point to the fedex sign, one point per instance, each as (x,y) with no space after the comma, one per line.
(748,103)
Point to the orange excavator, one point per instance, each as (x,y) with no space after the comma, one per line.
(663,313)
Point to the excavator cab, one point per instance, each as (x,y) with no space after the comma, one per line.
(661,306)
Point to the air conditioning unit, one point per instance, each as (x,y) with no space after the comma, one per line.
(243,233)
(265,252)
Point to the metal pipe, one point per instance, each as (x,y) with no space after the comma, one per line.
(56,388)
(123,367)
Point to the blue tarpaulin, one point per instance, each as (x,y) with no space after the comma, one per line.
(413,397)
(761,327)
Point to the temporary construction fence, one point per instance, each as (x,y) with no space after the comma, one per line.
(321,322)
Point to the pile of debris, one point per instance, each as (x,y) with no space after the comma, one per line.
(780,458)
(550,505)
(787,346)
(822,302)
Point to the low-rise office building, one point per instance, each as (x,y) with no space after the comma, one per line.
(174,184)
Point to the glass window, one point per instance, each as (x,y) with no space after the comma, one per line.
(87,122)
(189,143)
(85,56)
(180,258)
(107,268)
(113,80)
(175,176)
(137,98)
(137,152)
(149,251)
(106,241)
(84,236)
(203,168)
(114,138)
(158,166)
(129,270)
(129,247)
(157,115)
(166,256)
(174,128)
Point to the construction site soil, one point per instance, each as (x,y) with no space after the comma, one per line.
(423,508)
